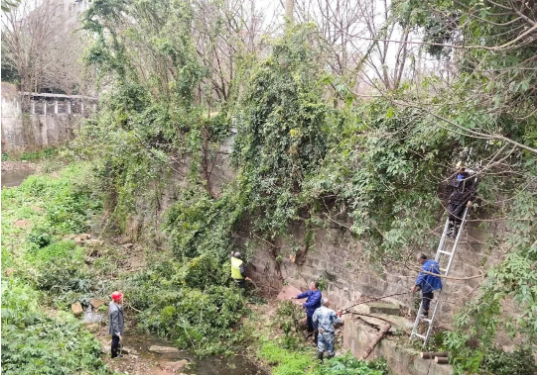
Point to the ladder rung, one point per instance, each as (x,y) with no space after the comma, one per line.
(443,269)
(427,320)
(444,252)
(419,336)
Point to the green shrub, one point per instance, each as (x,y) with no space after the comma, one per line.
(62,276)
(519,362)
(47,346)
(203,272)
(190,304)
(287,362)
(288,316)
(56,251)
(349,365)
(40,237)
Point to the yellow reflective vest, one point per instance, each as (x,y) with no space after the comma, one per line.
(236,268)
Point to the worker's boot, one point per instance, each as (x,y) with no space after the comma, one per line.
(320,356)
(330,355)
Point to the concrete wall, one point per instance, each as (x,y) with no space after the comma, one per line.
(402,359)
(45,123)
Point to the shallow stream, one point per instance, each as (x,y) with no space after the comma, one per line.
(140,343)
(15,177)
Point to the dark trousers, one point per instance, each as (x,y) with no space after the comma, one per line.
(426,299)
(241,283)
(115,346)
(455,212)
(312,328)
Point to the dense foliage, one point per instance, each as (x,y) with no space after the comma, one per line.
(37,344)
(191,303)
(282,132)
(493,99)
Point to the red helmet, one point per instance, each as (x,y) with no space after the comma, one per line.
(116,296)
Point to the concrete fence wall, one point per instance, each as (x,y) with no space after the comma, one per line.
(37,121)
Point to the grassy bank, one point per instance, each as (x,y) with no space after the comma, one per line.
(31,156)
(37,266)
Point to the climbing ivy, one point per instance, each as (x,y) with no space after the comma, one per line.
(282,132)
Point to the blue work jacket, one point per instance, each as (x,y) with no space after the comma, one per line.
(426,282)
(313,301)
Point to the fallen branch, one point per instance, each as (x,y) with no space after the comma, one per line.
(130,307)
(384,330)
(448,277)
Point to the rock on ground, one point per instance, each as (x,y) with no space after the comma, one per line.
(97,302)
(174,367)
(22,223)
(77,309)
(163,349)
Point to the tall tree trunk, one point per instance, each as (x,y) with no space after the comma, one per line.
(289,10)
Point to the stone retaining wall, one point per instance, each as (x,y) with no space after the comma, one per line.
(340,261)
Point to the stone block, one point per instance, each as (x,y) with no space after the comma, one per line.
(384,308)
(174,366)
(287,292)
(77,309)
(97,302)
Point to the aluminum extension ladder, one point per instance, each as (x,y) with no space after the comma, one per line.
(444,254)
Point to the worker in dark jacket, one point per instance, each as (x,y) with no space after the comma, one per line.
(426,282)
(116,328)
(461,198)
(238,272)
(313,302)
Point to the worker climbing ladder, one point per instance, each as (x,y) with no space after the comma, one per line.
(444,256)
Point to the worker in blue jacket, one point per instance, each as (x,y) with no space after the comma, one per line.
(426,282)
(313,302)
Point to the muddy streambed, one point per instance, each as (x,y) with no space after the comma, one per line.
(233,365)
(138,359)
(14,173)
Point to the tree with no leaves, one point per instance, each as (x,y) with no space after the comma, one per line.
(41,49)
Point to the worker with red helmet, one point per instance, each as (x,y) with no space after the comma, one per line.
(116,327)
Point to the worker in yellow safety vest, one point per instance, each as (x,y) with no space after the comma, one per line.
(238,273)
